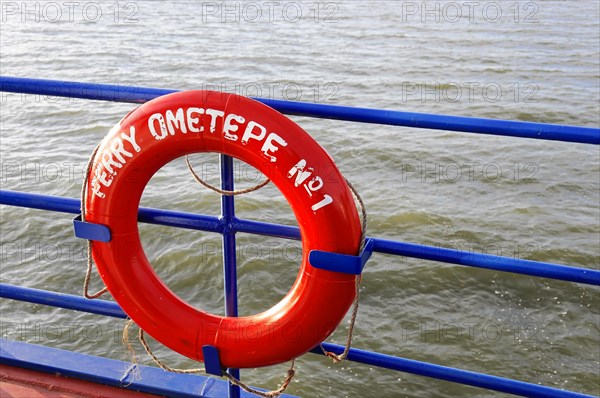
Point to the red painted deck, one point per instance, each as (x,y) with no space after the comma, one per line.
(23,383)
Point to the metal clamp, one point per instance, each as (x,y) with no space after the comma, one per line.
(212,363)
(90,231)
(344,263)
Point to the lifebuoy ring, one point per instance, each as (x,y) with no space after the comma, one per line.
(204,121)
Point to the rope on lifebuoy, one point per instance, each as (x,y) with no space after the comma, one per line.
(90,261)
(219,190)
(335,357)
(269,394)
(149,351)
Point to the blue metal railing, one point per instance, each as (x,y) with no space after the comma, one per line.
(219,225)
(108,308)
(227,224)
(133,94)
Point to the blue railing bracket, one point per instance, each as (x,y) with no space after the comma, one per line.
(212,363)
(90,231)
(344,263)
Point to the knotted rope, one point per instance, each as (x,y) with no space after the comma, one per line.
(335,357)
(88,272)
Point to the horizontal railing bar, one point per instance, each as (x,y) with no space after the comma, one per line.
(214,224)
(145,214)
(498,263)
(441,254)
(109,308)
(61,300)
(266,229)
(451,374)
(132,94)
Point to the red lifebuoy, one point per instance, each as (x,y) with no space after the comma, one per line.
(203,121)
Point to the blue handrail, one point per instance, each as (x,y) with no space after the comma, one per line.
(119,93)
(108,308)
(214,224)
(228,224)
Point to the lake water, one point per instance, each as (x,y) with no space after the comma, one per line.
(520,60)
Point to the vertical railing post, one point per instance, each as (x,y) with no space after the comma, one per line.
(229,253)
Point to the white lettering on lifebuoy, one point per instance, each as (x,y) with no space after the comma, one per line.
(176,119)
(269,147)
(302,175)
(326,200)
(118,151)
(161,122)
(214,114)
(183,120)
(228,127)
(312,186)
(114,158)
(249,135)
(192,122)
(108,162)
(131,139)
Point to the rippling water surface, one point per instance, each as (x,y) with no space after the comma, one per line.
(535,60)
